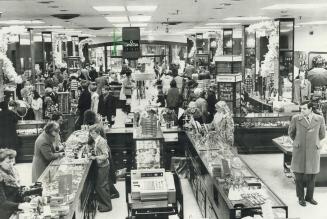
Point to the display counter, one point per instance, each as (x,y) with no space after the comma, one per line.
(68,184)
(255,131)
(260,105)
(284,143)
(27,131)
(122,146)
(220,197)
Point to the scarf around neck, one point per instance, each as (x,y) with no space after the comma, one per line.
(9,178)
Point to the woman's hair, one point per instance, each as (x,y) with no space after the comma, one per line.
(98,128)
(5,152)
(36,95)
(173,84)
(90,118)
(50,126)
(198,92)
(93,88)
(56,116)
(223,105)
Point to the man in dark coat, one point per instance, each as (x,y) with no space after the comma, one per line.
(306,130)
(211,100)
(110,106)
(8,122)
(84,103)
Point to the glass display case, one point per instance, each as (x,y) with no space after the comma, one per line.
(255,131)
(148,150)
(27,131)
(262,120)
(226,187)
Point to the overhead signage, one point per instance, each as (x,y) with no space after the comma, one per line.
(131,37)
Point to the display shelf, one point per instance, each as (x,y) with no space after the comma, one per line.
(259,105)
(254,132)
(73,64)
(148,150)
(27,131)
(214,198)
(229,90)
(285,144)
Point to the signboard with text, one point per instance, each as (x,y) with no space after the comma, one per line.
(131,37)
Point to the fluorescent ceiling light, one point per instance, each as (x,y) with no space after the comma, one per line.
(109,8)
(314,23)
(131,25)
(295,6)
(117,19)
(222,24)
(46,27)
(246,18)
(13,22)
(139,8)
(139,18)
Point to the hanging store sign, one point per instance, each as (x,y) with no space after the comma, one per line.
(229,78)
(131,42)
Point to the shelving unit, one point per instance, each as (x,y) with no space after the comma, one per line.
(28,131)
(286,52)
(229,90)
(73,64)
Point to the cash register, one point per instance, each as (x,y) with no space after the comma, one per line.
(153,184)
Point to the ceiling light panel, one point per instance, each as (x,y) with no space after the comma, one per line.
(139,18)
(16,22)
(134,8)
(314,23)
(308,6)
(109,8)
(246,18)
(222,24)
(120,19)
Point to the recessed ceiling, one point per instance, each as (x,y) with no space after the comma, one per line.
(191,13)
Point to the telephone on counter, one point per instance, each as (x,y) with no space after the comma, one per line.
(153,184)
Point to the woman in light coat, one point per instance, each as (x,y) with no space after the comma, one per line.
(223,123)
(37,105)
(44,151)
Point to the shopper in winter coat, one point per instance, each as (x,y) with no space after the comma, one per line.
(84,103)
(201,103)
(306,130)
(8,134)
(44,152)
(173,97)
(11,199)
(101,156)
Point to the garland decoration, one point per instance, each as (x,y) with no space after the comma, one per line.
(81,46)
(57,56)
(270,29)
(8,68)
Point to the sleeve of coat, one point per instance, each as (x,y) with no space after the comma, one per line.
(103,147)
(322,130)
(292,128)
(47,153)
(4,203)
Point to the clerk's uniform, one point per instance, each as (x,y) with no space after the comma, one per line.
(102,186)
(306,133)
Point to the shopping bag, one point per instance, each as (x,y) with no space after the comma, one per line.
(122,95)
